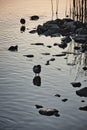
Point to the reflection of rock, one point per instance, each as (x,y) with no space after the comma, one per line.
(49,112)
(13,48)
(22,29)
(37,81)
(76,84)
(82,92)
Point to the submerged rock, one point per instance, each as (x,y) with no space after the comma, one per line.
(82,92)
(13,48)
(49,112)
(76,84)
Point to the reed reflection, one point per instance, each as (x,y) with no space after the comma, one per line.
(76,56)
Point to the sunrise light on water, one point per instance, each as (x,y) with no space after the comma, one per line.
(43,65)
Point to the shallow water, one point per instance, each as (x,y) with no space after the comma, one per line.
(18,94)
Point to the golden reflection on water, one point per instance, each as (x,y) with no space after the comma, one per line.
(31,6)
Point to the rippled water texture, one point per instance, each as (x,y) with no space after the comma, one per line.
(18,92)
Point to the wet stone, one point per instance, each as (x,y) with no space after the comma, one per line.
(47,63)
(82,100)
(83,108)
(82,92)
(13,48)
(34,17)
(59,55)
(52,59)
(76,84)
(38,44)
(57,95)
(45,53)
(22,21)
(64,100)
(49,112)
(49,46)
(38,106)
(29,56)
(84,68)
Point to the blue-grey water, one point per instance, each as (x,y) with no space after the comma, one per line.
(18,94)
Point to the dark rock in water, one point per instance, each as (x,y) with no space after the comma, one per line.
(49,112)
(37,81)
(84,68)
(58,95)
(22,21)
(80,38)
(29,56)
(62,54)
(13,48)
(52,59)
(47,63)
(37,70)
(76,48)
(38,106)
(38,44)
(41,29)
(82,92)
(64,100)
(33,31)
(62,45)
(35,17)
(83,108)
(45,53)
(49,46)
(22,29)
(56,44)
(66,39)
(82,100)
(76,84)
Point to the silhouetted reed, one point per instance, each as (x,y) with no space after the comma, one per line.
(79,10)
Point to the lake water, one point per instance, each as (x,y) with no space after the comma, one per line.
(18,94)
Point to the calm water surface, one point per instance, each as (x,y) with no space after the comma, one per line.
(18,94)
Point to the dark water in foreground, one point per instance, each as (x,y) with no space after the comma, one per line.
(18,94)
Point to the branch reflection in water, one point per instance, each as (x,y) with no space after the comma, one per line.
(77,58)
